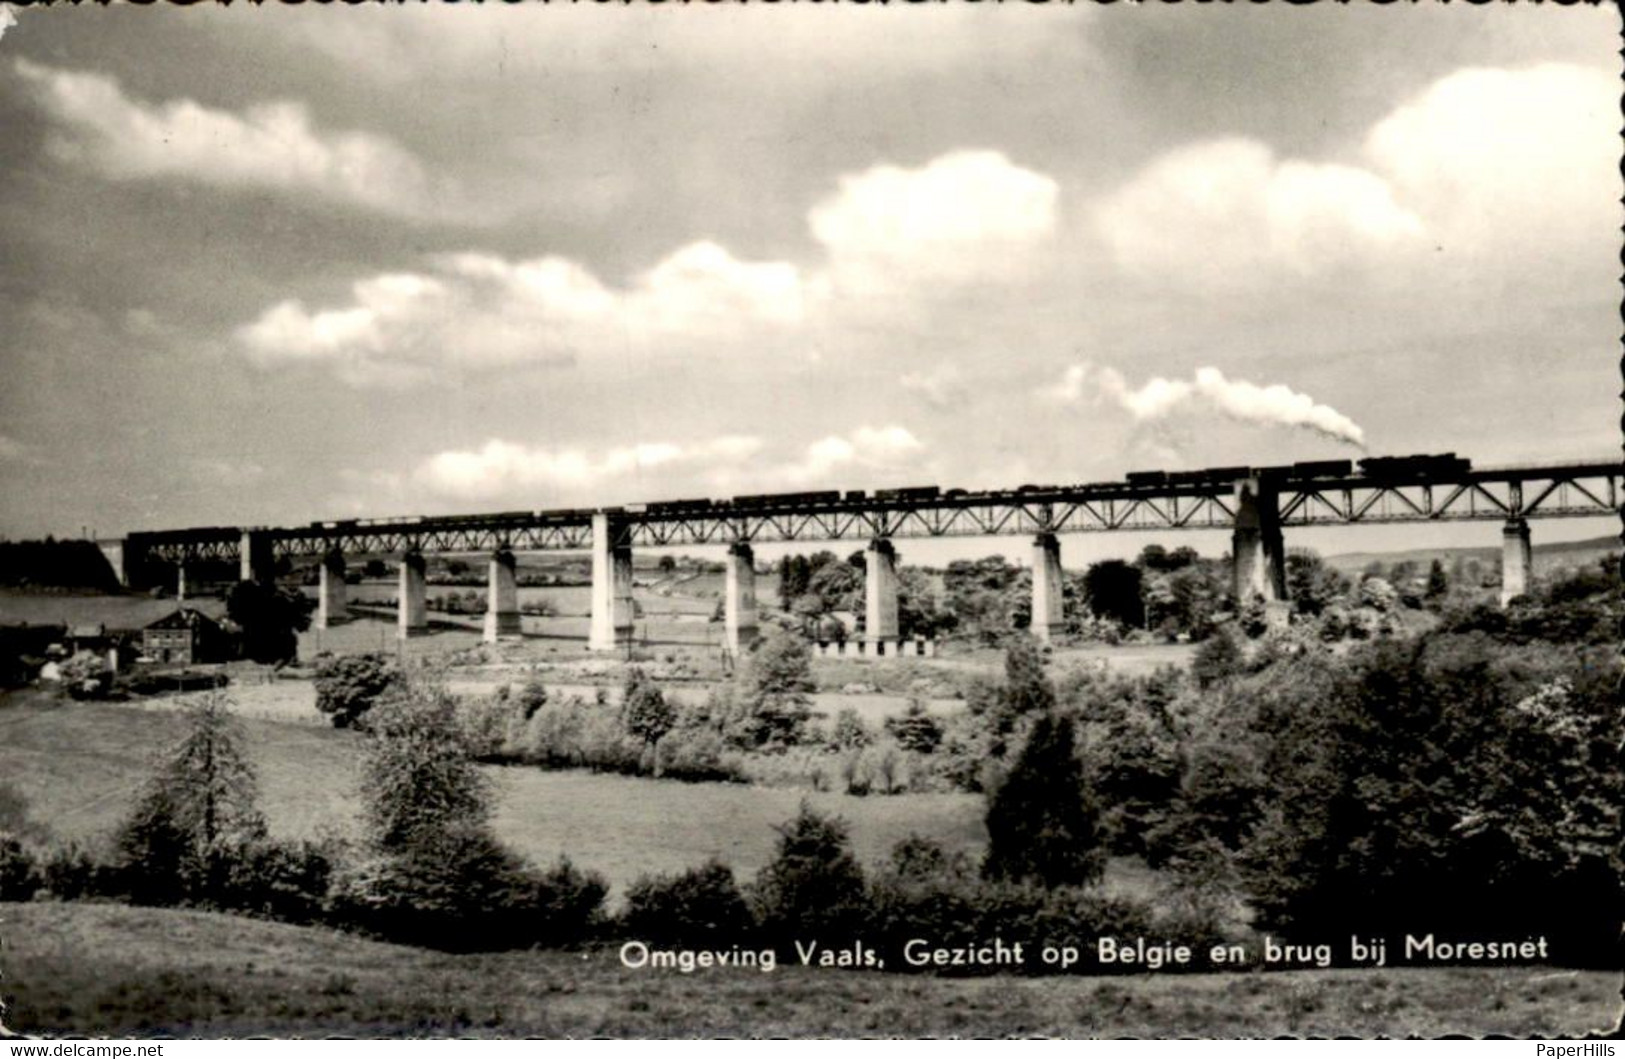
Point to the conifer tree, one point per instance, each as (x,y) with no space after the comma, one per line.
(1042,822)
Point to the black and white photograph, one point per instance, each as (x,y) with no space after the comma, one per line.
(810,520)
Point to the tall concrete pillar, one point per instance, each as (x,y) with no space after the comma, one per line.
(880,626)
(412,612)
(1516,559)
(1257,546)
(331,606)
(612,611)
(1049,612)
(255,562)
(180,582)
(502,598)
(739,599)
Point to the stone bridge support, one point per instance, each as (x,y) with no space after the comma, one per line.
(332,607)
(880,624)
(255,562)
(180,582)
(612,610)
(1257,547)
(502,598)
(1049,611)
(739,599)
(1517,560)
(412,612)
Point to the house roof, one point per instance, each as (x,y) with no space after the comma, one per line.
(185,618)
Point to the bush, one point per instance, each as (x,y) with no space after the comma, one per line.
(776,684)
(813,887)
(490,726)
(19,873)
(348,686)
(284,880)
(1219,658)
(699,907)
(916,730)
(849,732)
(74,872)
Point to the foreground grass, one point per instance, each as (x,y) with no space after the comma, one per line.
(108,970)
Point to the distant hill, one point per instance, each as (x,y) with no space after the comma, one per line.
(1561,553)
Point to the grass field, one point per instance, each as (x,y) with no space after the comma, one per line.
(80,765)
(108,970)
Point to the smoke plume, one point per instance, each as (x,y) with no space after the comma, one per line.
(1247,402)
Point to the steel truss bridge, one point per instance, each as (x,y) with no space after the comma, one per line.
(1435,495)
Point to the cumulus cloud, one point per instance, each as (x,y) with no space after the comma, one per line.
(478,310)
(964,214)
(1159,398)
(271,146)
(1220,209)
(1481,163)
(1494,157)
(868,449)
(963,217)
(508,470)
(515,474)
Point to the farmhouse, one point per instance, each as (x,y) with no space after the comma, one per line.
(184,637)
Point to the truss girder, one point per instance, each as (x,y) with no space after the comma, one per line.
(1571,491)
(1529,496)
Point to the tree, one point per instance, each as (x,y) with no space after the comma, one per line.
(1219,658)
(348,686)
(1438,583)
(1026,692)
(813,888)
(1042,822)
(1113,589)
(198,809)
(375,570)
(668,565)
(270,619)
(645,713)
(1310,583)
(419,779)
(776,684)
(532,696)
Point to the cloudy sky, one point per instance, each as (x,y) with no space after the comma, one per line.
(270,265)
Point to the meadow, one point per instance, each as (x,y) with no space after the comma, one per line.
(81,765)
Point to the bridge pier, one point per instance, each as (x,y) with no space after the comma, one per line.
(115,550)
(180,582)
(502,597)
(412,612)
(255,562)
(612,611)
(1517,560)
(331,606)
(1257,547)
(1049,610)
(880,624)
(739,599)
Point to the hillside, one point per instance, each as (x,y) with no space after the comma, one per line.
(1546,556)
(110,970)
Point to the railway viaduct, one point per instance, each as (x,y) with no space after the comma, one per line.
(1256,505)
